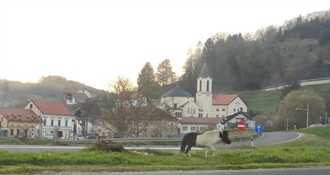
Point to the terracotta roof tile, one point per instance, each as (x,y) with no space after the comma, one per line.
(17,114)
(52,107)
(223,99)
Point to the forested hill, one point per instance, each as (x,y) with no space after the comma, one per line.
(297,50)
(17,94)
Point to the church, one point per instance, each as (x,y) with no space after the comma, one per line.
(206,110)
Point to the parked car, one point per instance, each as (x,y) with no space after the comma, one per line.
(91,137)
(48,136)
(79,137)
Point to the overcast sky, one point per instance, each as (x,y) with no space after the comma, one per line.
(96,41)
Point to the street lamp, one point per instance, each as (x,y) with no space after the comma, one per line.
(307,110)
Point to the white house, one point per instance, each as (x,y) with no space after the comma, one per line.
(57,120)
(205,105)
(232,120)
(73,100)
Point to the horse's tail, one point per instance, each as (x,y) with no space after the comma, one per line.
(183,144)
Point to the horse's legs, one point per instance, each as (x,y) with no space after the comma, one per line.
(206,151)
(188,150)
(211,146)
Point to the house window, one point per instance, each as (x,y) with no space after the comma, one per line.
(200,115)
(178,114)
(217,116)
(234,110)
(223,109)
(217,109)
(66,123)
(51,122)
(185,128)
(59,123)
(200,85)
(11,132)
(31,106)
(193,128)
(241,109)
(45,120)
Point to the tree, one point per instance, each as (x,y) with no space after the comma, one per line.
(300,99)
(147,81)
(91,113)
(164,74)
(295,85)
(127,113)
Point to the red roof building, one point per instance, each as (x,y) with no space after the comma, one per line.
(57,120)
(18,122)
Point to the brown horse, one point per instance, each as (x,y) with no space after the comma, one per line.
(205,140)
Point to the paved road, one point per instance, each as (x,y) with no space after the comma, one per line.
(265,139)
(289,171)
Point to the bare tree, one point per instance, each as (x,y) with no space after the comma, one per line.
(126,113)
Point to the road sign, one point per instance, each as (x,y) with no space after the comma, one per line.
(259,128)
(241,126)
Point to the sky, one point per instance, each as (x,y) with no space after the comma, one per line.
(96,41)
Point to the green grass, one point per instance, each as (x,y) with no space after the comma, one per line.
(265,101)
(261,100)
(313,149)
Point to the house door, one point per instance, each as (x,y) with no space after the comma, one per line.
(60,134)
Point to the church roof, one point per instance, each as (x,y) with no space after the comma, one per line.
(205,72)
(177,92)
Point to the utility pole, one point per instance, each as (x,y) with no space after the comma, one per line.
(307,110)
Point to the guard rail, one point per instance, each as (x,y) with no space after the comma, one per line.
(134,140)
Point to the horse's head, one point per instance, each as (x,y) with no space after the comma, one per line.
(224,137)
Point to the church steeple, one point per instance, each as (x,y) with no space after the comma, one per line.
(204,91)
(205,72)
(204,80)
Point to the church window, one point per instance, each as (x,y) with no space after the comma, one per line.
(200,85)
(175,105)
(207,85)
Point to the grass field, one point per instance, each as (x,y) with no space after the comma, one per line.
(311,150)
(265,101)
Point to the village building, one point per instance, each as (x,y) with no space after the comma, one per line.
(74,101)
(207,110)
(16,122)
(57,120)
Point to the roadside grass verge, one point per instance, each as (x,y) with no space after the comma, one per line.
(310,150)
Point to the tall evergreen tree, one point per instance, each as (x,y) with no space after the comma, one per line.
(147,81)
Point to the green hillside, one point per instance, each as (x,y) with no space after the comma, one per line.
(265,101)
